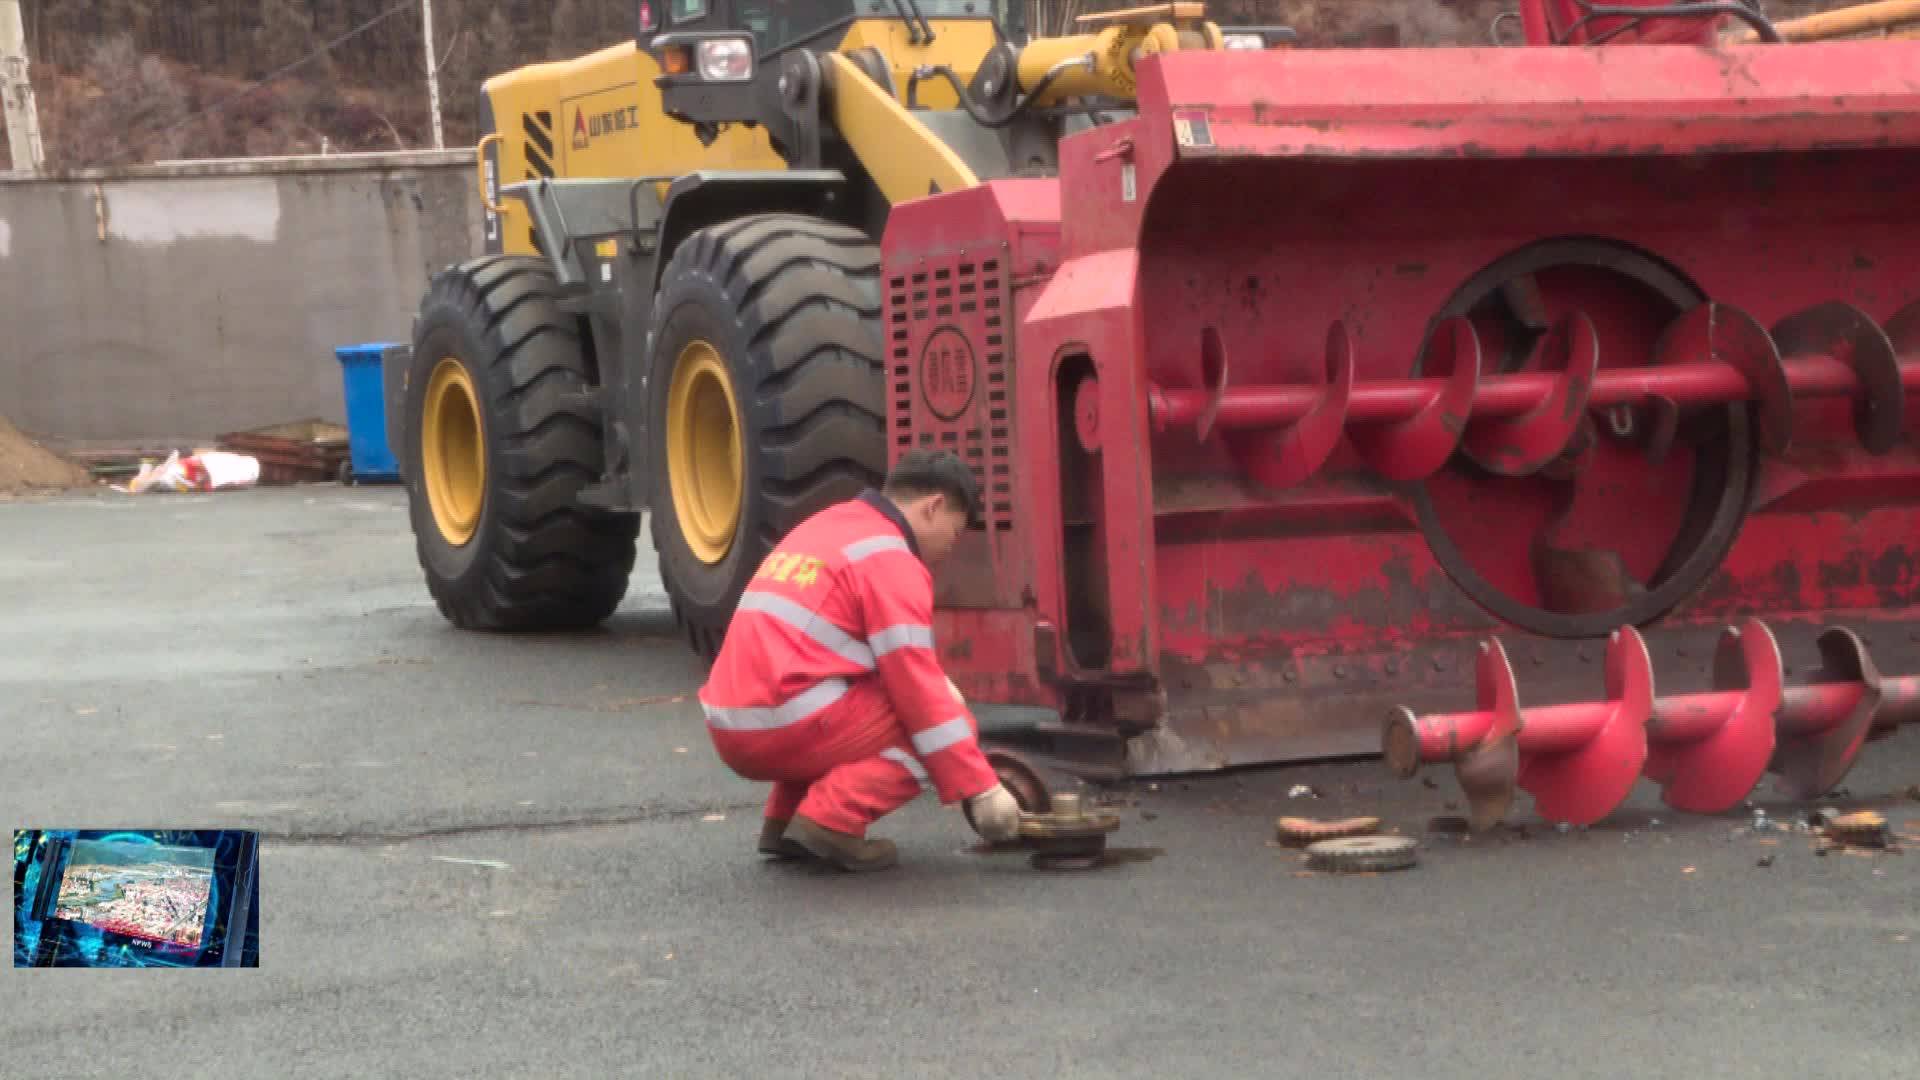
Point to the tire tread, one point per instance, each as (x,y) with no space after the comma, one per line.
(807,293)
(549,562)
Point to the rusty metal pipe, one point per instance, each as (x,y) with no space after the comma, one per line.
(1816,709)
(1812,710)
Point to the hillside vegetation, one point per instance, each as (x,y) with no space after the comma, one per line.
(128,81)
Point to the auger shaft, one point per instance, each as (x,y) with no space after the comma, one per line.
(1386,400)
(1804,710)
(1516,423)
(1707,749)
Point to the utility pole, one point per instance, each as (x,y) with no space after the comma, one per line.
(433,72)
(16,93)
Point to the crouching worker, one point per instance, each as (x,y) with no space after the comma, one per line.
(828,685)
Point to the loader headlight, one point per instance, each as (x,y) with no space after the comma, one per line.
(1244,41)
(725,59)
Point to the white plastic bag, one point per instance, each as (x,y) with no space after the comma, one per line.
(225,470)
(213,470)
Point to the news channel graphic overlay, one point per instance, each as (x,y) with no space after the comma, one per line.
(136,898)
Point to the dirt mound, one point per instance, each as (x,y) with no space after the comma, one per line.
(27,466)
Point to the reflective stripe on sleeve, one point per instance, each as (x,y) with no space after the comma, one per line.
(903,636)
(766,718)
(940,736)
(908,762)
(811,623)
(874,545)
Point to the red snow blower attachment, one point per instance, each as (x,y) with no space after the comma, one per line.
(1328,365)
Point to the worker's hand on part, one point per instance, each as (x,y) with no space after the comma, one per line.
(995,814)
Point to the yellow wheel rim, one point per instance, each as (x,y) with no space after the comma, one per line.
(704,461)
(453,451)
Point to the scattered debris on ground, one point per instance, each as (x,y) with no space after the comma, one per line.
(27,467)
(302,452)
(1301,831)
(211,470)
(1865,829)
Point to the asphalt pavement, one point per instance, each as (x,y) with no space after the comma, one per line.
(518,856)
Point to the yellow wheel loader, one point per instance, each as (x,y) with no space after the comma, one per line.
(681,310)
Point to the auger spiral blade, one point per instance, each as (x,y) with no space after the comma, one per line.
(1708,751)
(1580,762)
(1840,331)
(1523,445)
(1489,772)
(1289,455)
(1482,744)
(1721,333)
(1820,732)
(1420,445)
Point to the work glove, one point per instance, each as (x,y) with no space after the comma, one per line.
(956,692)
(995,814)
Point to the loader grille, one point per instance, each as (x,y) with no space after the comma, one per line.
(948,369)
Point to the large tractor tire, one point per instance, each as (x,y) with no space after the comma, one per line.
(768,400)
(499,446)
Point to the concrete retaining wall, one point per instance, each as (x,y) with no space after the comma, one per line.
(176,302)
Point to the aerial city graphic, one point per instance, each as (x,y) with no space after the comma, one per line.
(144,891)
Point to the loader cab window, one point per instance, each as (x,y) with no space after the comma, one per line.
(686,11)
(778,24)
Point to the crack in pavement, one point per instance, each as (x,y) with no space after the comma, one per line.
(366,836)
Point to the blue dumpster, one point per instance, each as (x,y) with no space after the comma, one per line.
(360,373)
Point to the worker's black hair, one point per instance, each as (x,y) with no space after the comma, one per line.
(919,473)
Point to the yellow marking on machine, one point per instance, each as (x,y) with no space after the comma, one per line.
(905,159)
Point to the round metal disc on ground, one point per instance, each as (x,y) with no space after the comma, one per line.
(1363,854)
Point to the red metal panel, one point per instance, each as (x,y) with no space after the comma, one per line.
(1520,102)
(1381,248)
(959,270)
(950,264)
(1189,297)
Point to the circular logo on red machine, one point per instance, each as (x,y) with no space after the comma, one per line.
(947,373)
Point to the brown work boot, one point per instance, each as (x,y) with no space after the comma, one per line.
(841,849)
(774,841)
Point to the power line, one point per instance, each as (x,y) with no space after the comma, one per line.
(316,54)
